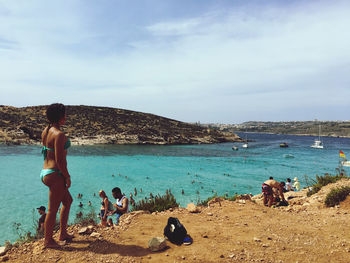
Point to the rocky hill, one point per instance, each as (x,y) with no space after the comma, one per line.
(102,125)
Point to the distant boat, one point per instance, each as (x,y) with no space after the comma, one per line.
(345,163)
(235,148)
(318,143)
(245,145)
(288,156)
(283,145)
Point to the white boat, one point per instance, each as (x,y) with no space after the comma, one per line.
(318,143)
(245,145)
(345,163)
(235,148)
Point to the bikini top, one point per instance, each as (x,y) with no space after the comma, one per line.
(45,149)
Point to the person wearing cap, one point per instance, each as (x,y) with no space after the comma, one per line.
(42,212)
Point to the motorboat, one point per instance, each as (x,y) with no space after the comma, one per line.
(283,145)
(235,148)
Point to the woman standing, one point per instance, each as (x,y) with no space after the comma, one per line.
(55,174)
(106,207)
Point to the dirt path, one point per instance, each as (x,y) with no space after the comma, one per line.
(305,231)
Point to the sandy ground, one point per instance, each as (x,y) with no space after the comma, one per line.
(240,231)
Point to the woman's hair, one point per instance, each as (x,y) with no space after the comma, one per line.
(102,193)
(55,112)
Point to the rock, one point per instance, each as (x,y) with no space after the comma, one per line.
(157,243)
(85,230)
(222,256)
(231,256)
(2,251)
(4,258)
(241,201)
(205,236)
(192,208)
(265,245)
(95,234)
(210,214)
(256,239)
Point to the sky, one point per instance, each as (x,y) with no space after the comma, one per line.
(208,61)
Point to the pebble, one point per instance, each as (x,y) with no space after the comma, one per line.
(183,257)
(231,256)
(256,239)
(210,214)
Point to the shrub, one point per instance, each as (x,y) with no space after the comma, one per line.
(86,220)
(323,181)
(336,195)
(157,203)
(224,197)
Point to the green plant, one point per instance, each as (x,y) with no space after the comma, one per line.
(224,197)
(157,203)
(323,181)
(336,195)
(87,219)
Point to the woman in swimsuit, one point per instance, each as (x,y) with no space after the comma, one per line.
(106,207)
(55,174)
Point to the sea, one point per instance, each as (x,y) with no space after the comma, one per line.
(192,172)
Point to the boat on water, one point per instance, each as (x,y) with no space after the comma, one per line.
(318,144)
(235,148)
(345,163)
(245,145)
(283,145)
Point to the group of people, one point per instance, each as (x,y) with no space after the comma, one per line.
(273,191)
(55,175)
(109,209)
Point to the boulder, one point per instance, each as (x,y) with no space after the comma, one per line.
(157,243)
(2,251)
(192,208)
(95,234)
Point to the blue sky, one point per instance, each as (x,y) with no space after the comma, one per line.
(208,61)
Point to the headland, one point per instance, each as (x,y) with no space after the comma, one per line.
(89,125)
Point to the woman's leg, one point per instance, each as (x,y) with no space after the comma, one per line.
(57,188)
(64,214)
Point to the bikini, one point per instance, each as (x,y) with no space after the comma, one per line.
(44,150)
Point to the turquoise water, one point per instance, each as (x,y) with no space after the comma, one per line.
(197,169)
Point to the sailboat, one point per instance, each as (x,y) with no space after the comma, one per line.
(318,143)
(245,145)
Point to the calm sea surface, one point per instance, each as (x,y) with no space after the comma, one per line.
(197,169)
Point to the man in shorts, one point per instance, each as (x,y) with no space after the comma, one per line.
(122,203)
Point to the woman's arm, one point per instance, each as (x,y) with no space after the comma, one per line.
(60,157)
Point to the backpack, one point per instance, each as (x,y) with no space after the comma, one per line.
(175,231)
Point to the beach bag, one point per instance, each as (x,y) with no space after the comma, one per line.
(175,231)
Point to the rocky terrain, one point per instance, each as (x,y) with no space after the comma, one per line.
(226,231)
(102,125)
(328,128)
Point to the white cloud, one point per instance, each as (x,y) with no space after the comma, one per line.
(202,67)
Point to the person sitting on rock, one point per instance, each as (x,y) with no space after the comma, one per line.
(289,185)
(268,188)
(296,184)
(122,204)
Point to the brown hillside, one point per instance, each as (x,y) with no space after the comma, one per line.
(95,125)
